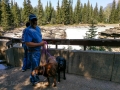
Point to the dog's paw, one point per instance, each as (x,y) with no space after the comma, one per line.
(54,85)
(48,84)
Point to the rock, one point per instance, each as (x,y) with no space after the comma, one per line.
(47,32)
(111,33)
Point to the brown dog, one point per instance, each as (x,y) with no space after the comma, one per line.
(48,70)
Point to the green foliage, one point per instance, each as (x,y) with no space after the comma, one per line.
(5,15)
(77,12)
(101,15)
(96,13)
(40,13)
(27,10)
(13,16)
(91,33)
(117,13)
(16,15)
(112,15)
(58,14)
(65,12)
(48,12)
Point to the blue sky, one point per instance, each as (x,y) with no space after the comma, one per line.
(54,2)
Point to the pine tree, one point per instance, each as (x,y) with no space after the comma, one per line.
(71,12)
(48,12)
(65,12)
(12,12)
(91,34)
(91,12)
(27,10)
(16,15)
(40,12)
(112,15)
(107,12)
(77,12)
(101,15)
(58,14)
(5,21)
(95,13)
(84,14)
(117,13)
(53,17)
(88,12)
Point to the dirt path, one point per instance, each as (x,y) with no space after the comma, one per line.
(14,79)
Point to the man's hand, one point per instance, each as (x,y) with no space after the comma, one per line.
(32,44)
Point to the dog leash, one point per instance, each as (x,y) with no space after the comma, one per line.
(46,49)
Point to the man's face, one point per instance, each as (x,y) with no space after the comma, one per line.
(34,22)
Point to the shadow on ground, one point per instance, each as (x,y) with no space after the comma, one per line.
(14,79)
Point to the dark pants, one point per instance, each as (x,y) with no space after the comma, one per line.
(34,58)
(26,61)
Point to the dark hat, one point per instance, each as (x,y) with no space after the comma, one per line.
(32,16)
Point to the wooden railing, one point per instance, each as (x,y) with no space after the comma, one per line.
(82,42)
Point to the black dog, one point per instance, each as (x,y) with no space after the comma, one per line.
(61,66)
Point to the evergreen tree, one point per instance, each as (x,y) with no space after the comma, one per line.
(5,21)
(65,12)
(12,12)
(112,15)
(91,34)
(77,12)
(58,14)
(117,13)
(48,12)
(16,15)
(107,12)
(53,17)
(84,14)
(27,10)
(101,15)
(88,12)
(71,12)
(91,12)
(95,13)
(40,12)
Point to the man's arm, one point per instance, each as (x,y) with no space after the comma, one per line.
(32,44)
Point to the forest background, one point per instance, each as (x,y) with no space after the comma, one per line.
(12,16)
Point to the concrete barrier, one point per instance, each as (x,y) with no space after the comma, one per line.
(91,64)
(2,50)
(101,65)
(15,56)
(116,68)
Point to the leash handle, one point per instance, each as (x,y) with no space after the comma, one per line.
(45,49)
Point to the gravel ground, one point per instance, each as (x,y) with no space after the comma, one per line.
(14,79)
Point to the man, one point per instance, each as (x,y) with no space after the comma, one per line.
(26,62)
(33,39)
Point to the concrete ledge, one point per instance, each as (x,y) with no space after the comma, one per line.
(116,68)
(14,56)
(91,64)
(102,65)
(2,50)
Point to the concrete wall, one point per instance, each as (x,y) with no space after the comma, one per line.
(116,68)
(15,56)
(101,65)
(91,64)
(2,50)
